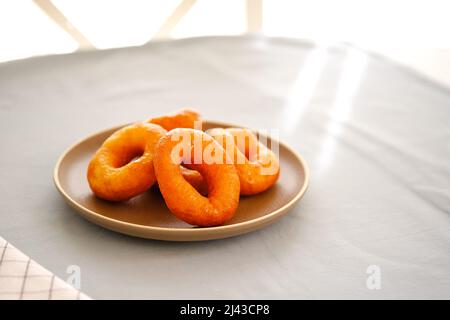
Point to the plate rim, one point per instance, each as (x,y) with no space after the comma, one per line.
(187,231)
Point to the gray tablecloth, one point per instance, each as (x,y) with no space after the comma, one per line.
(374,224)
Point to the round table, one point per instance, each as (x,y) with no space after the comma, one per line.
(375,222)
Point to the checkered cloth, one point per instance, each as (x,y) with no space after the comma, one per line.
(23,278)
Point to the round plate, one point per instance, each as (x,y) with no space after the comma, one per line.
(147,216)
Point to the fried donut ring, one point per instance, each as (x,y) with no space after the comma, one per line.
(114,173)
(257,166)
(184,118)
(181,197)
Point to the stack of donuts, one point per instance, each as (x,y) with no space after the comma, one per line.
(200,175)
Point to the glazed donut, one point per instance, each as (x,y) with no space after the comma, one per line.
(257,166)
(184,118)
(182,198)
(123,166)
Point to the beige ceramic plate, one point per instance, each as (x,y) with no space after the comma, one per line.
(147,216)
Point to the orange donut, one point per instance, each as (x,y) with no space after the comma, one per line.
(189,147)
(123,166)
(184,118)
(257,166)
